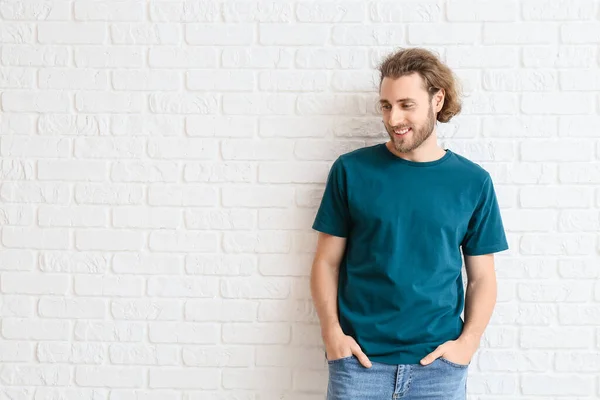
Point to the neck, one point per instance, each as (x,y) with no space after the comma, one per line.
(427,151)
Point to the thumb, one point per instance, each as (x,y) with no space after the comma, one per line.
(428,359)
(362,357)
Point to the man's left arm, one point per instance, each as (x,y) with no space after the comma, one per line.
(480,300)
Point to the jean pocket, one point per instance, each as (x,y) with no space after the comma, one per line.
(453,364)
(339,359)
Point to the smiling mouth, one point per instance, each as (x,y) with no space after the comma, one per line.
(402,132)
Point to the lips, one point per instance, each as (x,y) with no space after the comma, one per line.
(402,132)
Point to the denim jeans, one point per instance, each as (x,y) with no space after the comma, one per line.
(440,380)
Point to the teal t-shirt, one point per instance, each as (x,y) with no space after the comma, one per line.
(400,291)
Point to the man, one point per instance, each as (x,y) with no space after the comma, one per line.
(387,275)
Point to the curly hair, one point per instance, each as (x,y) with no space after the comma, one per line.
(436,75)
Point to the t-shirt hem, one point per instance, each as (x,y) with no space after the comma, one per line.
(486,250)
(321,227)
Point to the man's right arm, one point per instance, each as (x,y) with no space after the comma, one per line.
(324,288)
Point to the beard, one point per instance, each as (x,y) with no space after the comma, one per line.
(417,135)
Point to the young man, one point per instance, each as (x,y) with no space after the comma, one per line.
(386,279)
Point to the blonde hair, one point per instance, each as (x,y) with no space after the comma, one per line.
(436,75)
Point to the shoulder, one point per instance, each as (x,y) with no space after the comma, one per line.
(471,170)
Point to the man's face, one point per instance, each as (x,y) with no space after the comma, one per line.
(407,112)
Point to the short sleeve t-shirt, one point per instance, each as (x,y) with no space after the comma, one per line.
(400,291)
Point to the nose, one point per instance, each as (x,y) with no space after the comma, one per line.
(396,117)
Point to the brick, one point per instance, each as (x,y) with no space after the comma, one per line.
(74,353)
(556,151)
(225,264)
(35,375)
(17,170)
(257,378)
(59,307)
(285,219)
(108,286)
(252,288)
(491,103)
(258,104)
(100,57)
(287,311)
(147,264)
(184,11)
(519,33)
(579,80)
(578,292)
(555,197)
(18,124)
(146,309)
(256,197)
(143,354)
(261,242)
(365,35)
(186,103)
(113,194)
(530,220)
(148,218)
(331,104)
(557,385)
(185,378)
(17,78)
(257,57)
(183,287)
(520,81)
(146,33)
(109,239)
(85,216)
(286,81)
(38,101)
(231,171)
(35,329)
(560,10)
(109,11)
(114,377)
(178,332)
(558,57)
(38,238)
(408,11)
(13,351)
(579,173)
(258,11)
(144,171)
(579,221)
(334,12)
(511,361)
(72,33)
(557,244)
(183,241)
(220,34)
(482,56)
(559,103)
(331,58)
(80,79)
(221,356)
(109,331)
(35,147)
(476,11)
(182,195)
(248,333)
(16,33)
(580,33)
(221,80)
(221,126)
(174,57)
(219,219)
(127,147)
(556,338)
(252,150)
(456,33)
(175,148)
(221,310)
(77,125)
(35,10)
(147,125)
(80,262)
(146,80)
(107,102)
(578,268)
(17,260)
(277,34)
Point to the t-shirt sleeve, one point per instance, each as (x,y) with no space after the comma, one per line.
(333,215)
(485,232)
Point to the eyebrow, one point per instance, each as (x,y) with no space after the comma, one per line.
(406,99)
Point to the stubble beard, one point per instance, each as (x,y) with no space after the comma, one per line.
(419,135)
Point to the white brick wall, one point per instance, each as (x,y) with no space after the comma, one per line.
(162,161)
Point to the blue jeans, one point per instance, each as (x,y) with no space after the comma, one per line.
(440,380)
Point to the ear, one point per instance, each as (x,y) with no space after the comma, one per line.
(438,100)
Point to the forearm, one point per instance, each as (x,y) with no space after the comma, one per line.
(324,286)
(480,300)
